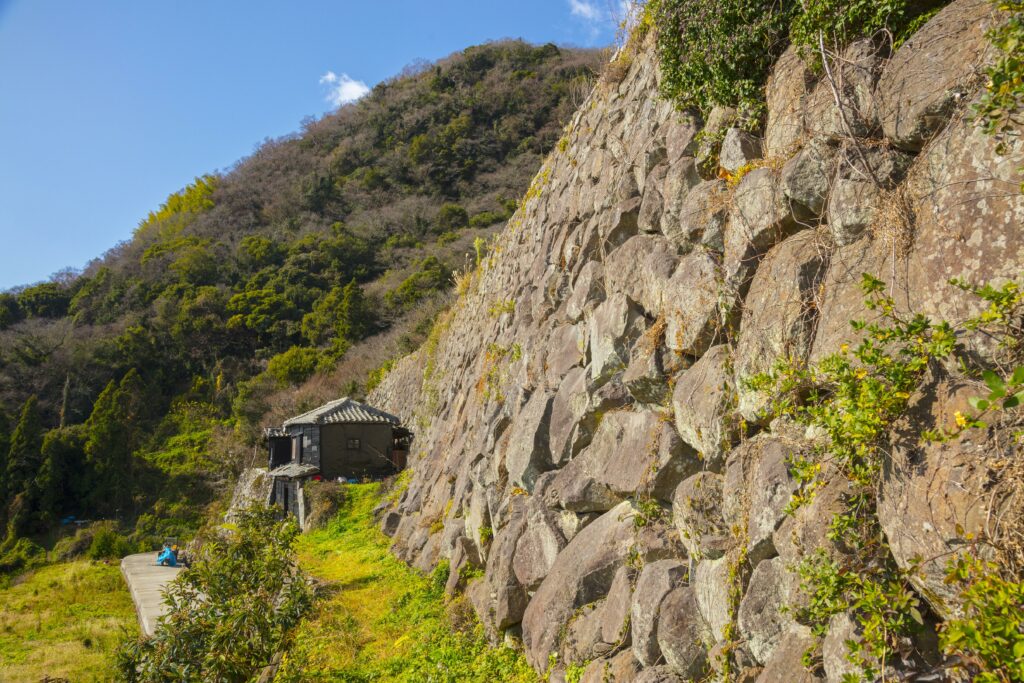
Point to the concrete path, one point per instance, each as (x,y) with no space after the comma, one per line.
(146,580)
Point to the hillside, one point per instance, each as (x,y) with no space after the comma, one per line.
(736,395)
(133,389)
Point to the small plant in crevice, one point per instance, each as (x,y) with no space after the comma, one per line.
(988,634)
(854,397)
(998,112)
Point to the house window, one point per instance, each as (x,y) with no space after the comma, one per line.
(353,444)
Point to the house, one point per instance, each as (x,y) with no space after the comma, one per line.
(343,439)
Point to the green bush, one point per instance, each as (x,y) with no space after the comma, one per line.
(1000,107)
(107,544)
(840,22)
(485,219)
(294,366)
(989,635)
(19,555)
(431,276)
(718,52)
(377,375)
(451,217)
(231,612)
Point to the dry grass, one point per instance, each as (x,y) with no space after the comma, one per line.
(893,220)
(64,621)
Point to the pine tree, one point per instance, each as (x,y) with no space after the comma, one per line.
(356,318)
(112,436)
(55,489)
(23,454)
(5,445)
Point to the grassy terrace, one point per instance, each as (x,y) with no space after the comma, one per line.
(381,620)
(64,621)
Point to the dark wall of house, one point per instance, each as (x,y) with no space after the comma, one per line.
(306,446)
(370,459)
(280,451)
(286,494)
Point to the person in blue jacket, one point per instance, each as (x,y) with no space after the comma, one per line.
(167,557)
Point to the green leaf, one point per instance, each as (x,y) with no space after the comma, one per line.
(916,615)
(1011,402)
(1018,375)
(994,381)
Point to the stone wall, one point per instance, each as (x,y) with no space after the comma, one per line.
(593,373)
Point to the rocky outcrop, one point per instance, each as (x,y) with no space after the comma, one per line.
(600,451)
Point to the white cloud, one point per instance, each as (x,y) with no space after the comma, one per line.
(602,16)
(585,10)
(342,89)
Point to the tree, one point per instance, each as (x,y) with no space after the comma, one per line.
(451,217)
(231,612)
(57,486)
(112,436)
(356,318)
(5,445)
(342,314)
(45,300)
(23,456)
(10,311)
(294,366)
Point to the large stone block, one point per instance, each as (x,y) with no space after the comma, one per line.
(763,617)
(703,401)
(583,573)
(778,315)
(697,514)
(760,218)
(613,328)
(787,84)
(682,634)
(529,453)
(656,580)
(935,494)
(690,304)
(969,209)
(929,76)
(632,454)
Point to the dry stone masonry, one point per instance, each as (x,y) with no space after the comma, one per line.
(595,451)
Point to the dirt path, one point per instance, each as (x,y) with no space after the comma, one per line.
(146,580)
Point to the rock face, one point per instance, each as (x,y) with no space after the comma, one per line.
(933,72)
(600,453)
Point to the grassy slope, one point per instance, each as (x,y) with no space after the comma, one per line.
(382,620)
(64,620)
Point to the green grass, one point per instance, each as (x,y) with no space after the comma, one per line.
(65,621)
(381,620)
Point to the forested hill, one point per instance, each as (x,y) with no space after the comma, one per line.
(123,388)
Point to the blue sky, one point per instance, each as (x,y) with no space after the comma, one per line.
(108,106)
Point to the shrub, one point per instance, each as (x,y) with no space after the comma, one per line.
(377,375)
(19,555)
(107,544)
(718,52)
(231,612)
(840,22)
(430,277)
(294,366)
(451,217)
(999,109)
(989,635)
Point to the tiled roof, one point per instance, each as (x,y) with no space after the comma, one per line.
(294,470)
(342,410)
